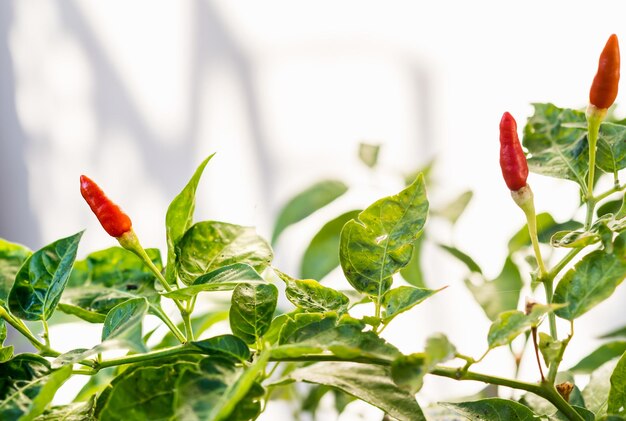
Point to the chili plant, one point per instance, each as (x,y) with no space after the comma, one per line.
(190,373)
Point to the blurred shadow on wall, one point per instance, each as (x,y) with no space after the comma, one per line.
(171,162)
(17,222)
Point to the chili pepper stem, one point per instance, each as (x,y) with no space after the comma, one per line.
(524,199)
(594,118)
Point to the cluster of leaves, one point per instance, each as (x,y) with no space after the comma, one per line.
(316,340)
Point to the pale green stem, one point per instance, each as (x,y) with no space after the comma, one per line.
(168,322)
(593,129)
(46,333)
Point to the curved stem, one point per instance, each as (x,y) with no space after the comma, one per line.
(168,322)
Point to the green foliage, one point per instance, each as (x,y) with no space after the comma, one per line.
(546,228)
(367,382)
(123,318)
(599,356)
(408,371)
(11,258)
(500,294)
(251,311)
(509,324)
(309,295)
(379,242)
(42,278)
(368,154)
(318,333)
(493,409)
(108,278)
(322,255)
(27,386)
(452,211)
(305,203)
(555,138)
(616,403)
(225,278)
(179,218)
(225,345)
(209,245)
(401,299)
(592,280)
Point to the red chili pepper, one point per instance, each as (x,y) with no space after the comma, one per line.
(512,158)
(115,222)
(604,87)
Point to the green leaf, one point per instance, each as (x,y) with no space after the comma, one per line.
(611,152)
(412,272)
(592,280)
(493,409)
(226,345)
(209,245)
(241,399)
(370,383)
(368,154)
(599,356)
(6,353)
(113,275)
(509,324)
(596,393)
(500,294)
(550,348)
(574,239)
(322,253)
(212,389)
(86,315)
(464,258)
(27,386)
(42,278)
(143,393)
(225,278)
(123,318)
(380,242)
(179,218)
(617,395)
(453,210)
(408,371)
(546,228)
(12,256)
(401,299)
(95,385)
(305,203)
(317,333)
(79,411)
(45,391)
(252,309)
(617,333)
(311,296)
(557,147)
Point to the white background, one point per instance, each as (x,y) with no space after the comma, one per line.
(135,94)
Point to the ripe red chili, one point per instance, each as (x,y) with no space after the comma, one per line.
(113,220)
(512,159)
(604,87)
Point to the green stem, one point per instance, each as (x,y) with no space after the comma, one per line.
(188,327)
(531,218)
(548,285)
(593,129)
(563,262)
(21,327)
(168,322)
(46,333)
(554,367)
(153,355)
